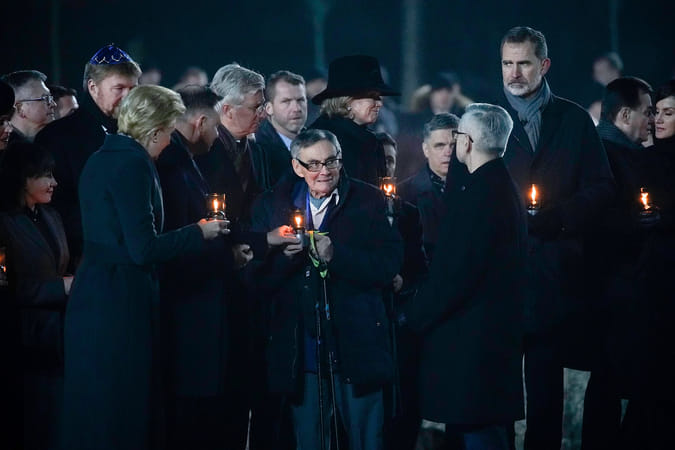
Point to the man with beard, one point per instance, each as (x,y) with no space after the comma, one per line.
(286,115)
(108,77)
(555,146)
(34,105)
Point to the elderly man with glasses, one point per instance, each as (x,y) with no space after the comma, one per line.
(328,347)
(34,104)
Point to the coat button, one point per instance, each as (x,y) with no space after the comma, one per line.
(377,324)
(463,188)
(348,380)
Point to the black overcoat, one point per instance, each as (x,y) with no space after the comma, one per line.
(471,309)
(71,141)
(192,286)
(368,252)
(362,154)
(111,331)
(419,191)
(575,182)
(277,155)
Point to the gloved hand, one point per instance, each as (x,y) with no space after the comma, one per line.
(546,224)
(648,221)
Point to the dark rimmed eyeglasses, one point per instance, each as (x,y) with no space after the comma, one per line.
(457,132)
(316,166)
(48,99)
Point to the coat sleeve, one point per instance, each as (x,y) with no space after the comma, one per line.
(131,195)
(374,264)
(41,293)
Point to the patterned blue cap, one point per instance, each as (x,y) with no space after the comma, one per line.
(110,54)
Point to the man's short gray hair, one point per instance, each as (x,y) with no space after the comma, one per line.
(233,82)
(442,121)
(310,137)
(488,125)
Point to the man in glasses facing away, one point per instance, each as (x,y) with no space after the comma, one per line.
(34,105)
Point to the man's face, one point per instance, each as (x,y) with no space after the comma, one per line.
(35,104)
(5,130)
(110,91)
(66,105)
(208,132)
(438,148)
(522,71)
(390,159)
(441,100)
(323,182)
(638,121)
(288,109)
(242,120)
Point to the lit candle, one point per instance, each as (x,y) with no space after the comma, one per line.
(644,198)
(534,205)
(215,206)
(388,186)
(298,220)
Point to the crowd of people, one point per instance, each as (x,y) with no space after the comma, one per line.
(320,303)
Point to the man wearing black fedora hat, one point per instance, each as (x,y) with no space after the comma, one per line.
(351,102)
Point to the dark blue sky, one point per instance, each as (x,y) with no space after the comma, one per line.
(462,36)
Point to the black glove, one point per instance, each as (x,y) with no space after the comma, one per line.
(546,224)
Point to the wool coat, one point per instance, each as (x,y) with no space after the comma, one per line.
(112,381)
(368,252)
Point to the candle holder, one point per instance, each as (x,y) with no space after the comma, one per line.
(648,210)
(534,206)
(215,207)
(3,267)
(298,224)
(388,188)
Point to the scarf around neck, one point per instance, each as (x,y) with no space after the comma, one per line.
(609,132)
(529,110)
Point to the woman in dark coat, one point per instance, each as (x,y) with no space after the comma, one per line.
(111,348)
(351,102)
(37,255)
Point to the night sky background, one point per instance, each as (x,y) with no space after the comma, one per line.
(461,36)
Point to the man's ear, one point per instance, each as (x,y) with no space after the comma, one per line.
(297,168)
(92,87)
(268,108)
(425,149)
(624,115)
(545,65)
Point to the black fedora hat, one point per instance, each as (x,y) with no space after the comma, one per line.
(354,74)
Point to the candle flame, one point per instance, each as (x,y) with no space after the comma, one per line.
(298,221)
(533,194)
(215,205)
(644,198)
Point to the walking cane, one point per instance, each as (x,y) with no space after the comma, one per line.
(323,304)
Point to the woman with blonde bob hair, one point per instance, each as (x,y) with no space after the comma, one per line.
(111,327)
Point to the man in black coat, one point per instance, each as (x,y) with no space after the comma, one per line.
(286,109)
(236,167)
(553,145)
(355,254)
(108,77)
(425,189)
(471,309)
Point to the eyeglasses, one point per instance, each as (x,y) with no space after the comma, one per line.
(256,109)
(316,166)
(48,99)
(456,132)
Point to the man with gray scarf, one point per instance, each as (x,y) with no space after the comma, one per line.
(554,146)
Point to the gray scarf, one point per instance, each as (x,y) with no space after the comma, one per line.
(529,111)
(609,132)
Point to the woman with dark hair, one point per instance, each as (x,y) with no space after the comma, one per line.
(349,104)
(37,258)
(664,118)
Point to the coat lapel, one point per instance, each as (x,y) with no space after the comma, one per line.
(56,229)
(550,121)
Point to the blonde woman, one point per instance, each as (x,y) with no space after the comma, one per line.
(111,347)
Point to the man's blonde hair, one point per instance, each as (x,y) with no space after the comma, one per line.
(147,109)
